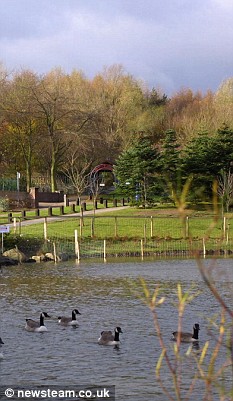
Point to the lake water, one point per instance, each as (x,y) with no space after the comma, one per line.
(72,357)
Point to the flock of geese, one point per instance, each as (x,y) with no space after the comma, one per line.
(106,337)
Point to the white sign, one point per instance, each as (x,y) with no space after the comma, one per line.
(4,229)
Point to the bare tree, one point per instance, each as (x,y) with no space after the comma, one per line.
(60,111)
(225,189)
(21,127)
(76,170)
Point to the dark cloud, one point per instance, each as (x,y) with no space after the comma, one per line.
(169,44)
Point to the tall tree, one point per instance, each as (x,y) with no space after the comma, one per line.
(117,97)
(206,156)
(225,189)
(151,119)
(77,172)
(57,105)
(136,169)
(182,110)
(21,127)
(224,145)
(3,88)
(223,102)
(170,162)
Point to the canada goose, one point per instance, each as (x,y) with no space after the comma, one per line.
(188,337)
(69,321)
(32,325)
(107,337)
(1,354)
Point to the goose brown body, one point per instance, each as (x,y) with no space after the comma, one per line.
(108,338)
(187,337)
(69,321)
(34,326)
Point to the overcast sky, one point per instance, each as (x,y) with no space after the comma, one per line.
(169,44)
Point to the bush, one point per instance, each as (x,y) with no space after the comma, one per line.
(4,204)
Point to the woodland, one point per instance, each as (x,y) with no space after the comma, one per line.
(62,124)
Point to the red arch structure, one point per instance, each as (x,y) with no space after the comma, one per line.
(105,166)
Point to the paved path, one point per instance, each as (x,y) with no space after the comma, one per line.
(39,220)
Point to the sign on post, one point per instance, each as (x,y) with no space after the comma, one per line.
(4,229)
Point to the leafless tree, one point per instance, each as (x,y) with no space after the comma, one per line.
(225,189)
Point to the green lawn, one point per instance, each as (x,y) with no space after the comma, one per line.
(162,231)
(105,226)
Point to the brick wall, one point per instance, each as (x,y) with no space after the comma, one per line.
(33,198)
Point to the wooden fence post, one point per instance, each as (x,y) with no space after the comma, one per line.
(54,252)
(204,247)
(23,214)
(227,236)
(76,245)
(81,226)
(9,217)
(104,250)
(14,225)
(142,250)
(151,226)
(45,229)
(92,227)
(144,230)
(115,227)
(224,227)
(187,227)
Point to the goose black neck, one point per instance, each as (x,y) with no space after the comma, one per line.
(116,337)
(195,333)
(41,320)
(73,315)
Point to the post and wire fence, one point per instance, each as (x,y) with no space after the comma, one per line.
(114,236)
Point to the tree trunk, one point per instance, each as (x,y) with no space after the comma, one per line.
(53,170)
(28,176)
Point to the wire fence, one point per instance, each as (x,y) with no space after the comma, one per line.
(138,248)
(114,236)
(103,227)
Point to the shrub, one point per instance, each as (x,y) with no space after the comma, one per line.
(4,204)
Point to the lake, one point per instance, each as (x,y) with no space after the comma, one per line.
(100,291)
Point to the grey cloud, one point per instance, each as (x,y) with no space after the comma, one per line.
(169,43)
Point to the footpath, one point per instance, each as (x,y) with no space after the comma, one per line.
(68,215)
(8,260)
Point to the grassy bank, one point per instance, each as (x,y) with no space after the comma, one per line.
(130,231)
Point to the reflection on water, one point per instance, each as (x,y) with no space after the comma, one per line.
(101,293)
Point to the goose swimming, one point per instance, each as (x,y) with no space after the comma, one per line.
(39,327)
(108,338)
(187,337)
